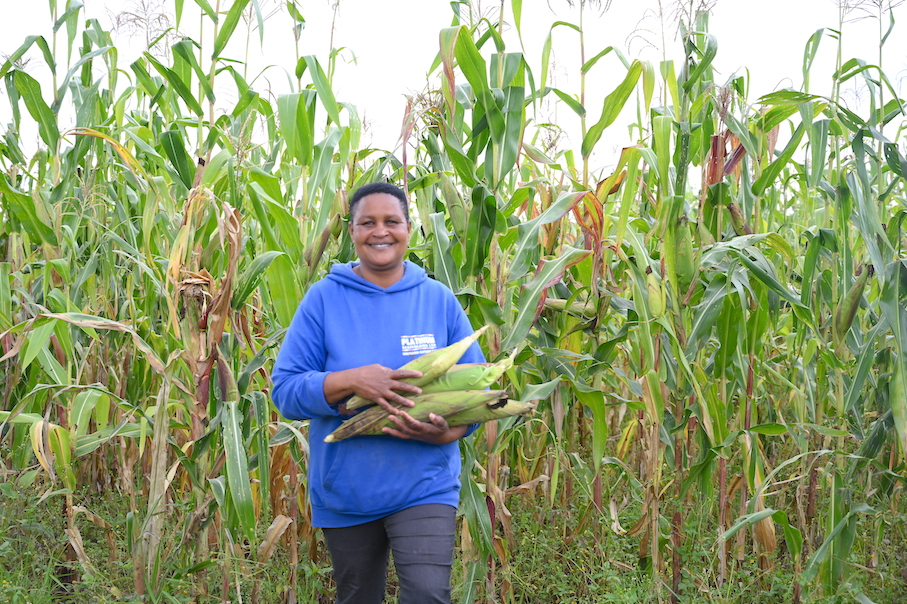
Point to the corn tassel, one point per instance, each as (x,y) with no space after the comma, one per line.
(373,419)
(432,365)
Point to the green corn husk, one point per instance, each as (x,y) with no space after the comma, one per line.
(370,421)
(471,376)
(684,257)
(490,412)
(656,294)
(432,365)
(847,308)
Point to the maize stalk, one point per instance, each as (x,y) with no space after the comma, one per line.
(432,365)
(491,411)
(372,420)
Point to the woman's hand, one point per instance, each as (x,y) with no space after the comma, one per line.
(375,383)
(435,431)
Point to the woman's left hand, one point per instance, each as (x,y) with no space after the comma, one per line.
(434,431)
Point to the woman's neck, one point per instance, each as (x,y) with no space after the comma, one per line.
(382,279)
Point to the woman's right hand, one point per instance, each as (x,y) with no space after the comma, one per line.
(373,382)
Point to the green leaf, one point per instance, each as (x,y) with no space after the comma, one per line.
(771,173)
(323,86)
(11,60)
(237,468)
(30,91)
(548,274)
(206,7)
(32,213)
(35,341)
(613,105)
(705,60)
(480,228)
(64,83)
(745,521)
(445,268)
(175,150)
(179,86)
(251,278)
(570,102)
(812,566)
(769,429)
(89,323)
(283,289)
(258,361)
(595,400)
(471,62)
(528,233)
(473,505)
(228,26)
(6,302)
(185,49)
(591,62)
(895,313)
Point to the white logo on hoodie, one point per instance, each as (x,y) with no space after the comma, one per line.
(413,345)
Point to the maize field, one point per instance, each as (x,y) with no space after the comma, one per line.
(709,335)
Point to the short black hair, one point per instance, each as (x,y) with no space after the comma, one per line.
(379,187)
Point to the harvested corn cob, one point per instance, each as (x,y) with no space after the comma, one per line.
(494,410)
(432,365)
(372,420)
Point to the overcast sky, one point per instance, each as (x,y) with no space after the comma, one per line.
(390,44)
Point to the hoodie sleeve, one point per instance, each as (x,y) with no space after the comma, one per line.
(299,373)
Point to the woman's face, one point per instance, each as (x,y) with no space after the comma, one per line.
(380,233)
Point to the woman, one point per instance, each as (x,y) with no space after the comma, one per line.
(352,332)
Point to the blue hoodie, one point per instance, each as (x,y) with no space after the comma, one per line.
(345,321)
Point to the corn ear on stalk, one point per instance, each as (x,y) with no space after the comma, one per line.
(685,264)
(656,298)
(432,365)
(847,308)
(494,410)
(373,419)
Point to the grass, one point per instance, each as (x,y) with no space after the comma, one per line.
(555,560)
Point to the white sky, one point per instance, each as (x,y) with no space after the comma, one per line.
(395,41)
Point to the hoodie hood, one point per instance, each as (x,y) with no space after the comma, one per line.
(343,274)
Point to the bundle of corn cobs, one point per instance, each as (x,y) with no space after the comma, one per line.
(455,392)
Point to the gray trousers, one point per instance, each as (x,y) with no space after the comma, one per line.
(422,539)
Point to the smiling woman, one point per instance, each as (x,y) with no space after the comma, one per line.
(380,230)
(353,330)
